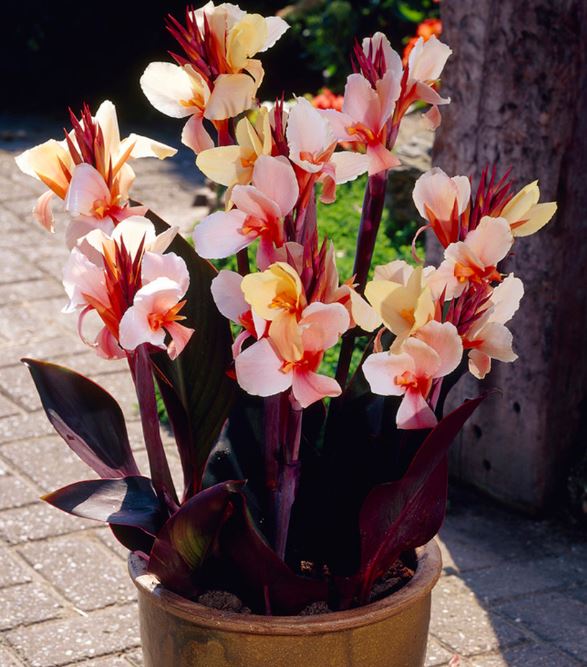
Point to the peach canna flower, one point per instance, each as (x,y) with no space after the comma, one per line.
(473,260)
(259,210)
(441,200)
(365,114)
(264,370)
(217,78)
(103,273)
(232,165)
(410,372)
(94,141)
(311,142)
(525,215)
(489,338)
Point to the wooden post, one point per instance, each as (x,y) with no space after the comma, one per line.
(518,83)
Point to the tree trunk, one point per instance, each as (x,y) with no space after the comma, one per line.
(518,83)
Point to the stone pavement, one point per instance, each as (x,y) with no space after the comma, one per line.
(513,590)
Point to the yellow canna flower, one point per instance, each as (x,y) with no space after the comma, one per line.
(233,165)
(403,307)
(525,215)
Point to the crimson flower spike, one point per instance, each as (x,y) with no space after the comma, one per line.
(491,197)
(371,64)
(193,44)
(278,131)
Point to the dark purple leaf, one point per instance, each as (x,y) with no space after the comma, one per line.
(184,542)
(86,417)
(404,514)
(259,576)
(199,394)
(132,538)
(129,501)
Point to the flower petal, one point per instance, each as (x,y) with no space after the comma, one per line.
(145,147)
(87,186)
(414,412)
(195,136)
(275,177)
(445,340)
(258,370)
(169,266)
(381,369)
(232,94)
(43,212)
(491,240)
(309,387)
(166,86)
(349,165)
(322,325)
(228,296)
(479,364)
(223,165)
(180,337)
(276,27)
(220,234)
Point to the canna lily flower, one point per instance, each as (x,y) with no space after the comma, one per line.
(311,144)
(410,372)
(425,64)
(103,273)
(365,114)
(441,200)
(489,338)
(473,260)
(525,215)
(403,307)
(217,78)
(94,141)
(180,92)
(155,312)
(258,212)
(264,370)
(277,296)
(232,165)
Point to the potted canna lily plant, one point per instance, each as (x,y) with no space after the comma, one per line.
(311,498)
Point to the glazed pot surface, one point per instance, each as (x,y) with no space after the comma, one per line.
(391,632)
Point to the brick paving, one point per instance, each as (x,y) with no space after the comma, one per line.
(512,592)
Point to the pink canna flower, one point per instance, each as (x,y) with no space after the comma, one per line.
(425,64)
(258,213)
(473,260)
(311,142)
(155,312)
(94,141)
(104,273)
(365,114)
(442,200)
(262,369)
(489,338)
(433,353)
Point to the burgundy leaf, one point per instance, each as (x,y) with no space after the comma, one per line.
(261,578)
(184,543)
(130,501)
(86,417)
(402,515)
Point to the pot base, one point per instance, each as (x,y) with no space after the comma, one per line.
(391,632)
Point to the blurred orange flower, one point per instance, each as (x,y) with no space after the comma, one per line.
(326,99)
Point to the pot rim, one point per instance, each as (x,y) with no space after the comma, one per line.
(427,573)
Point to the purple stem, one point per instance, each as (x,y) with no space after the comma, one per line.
(289,477)
(373,203)
(140,367)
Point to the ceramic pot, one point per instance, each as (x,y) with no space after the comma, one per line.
(391,632)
